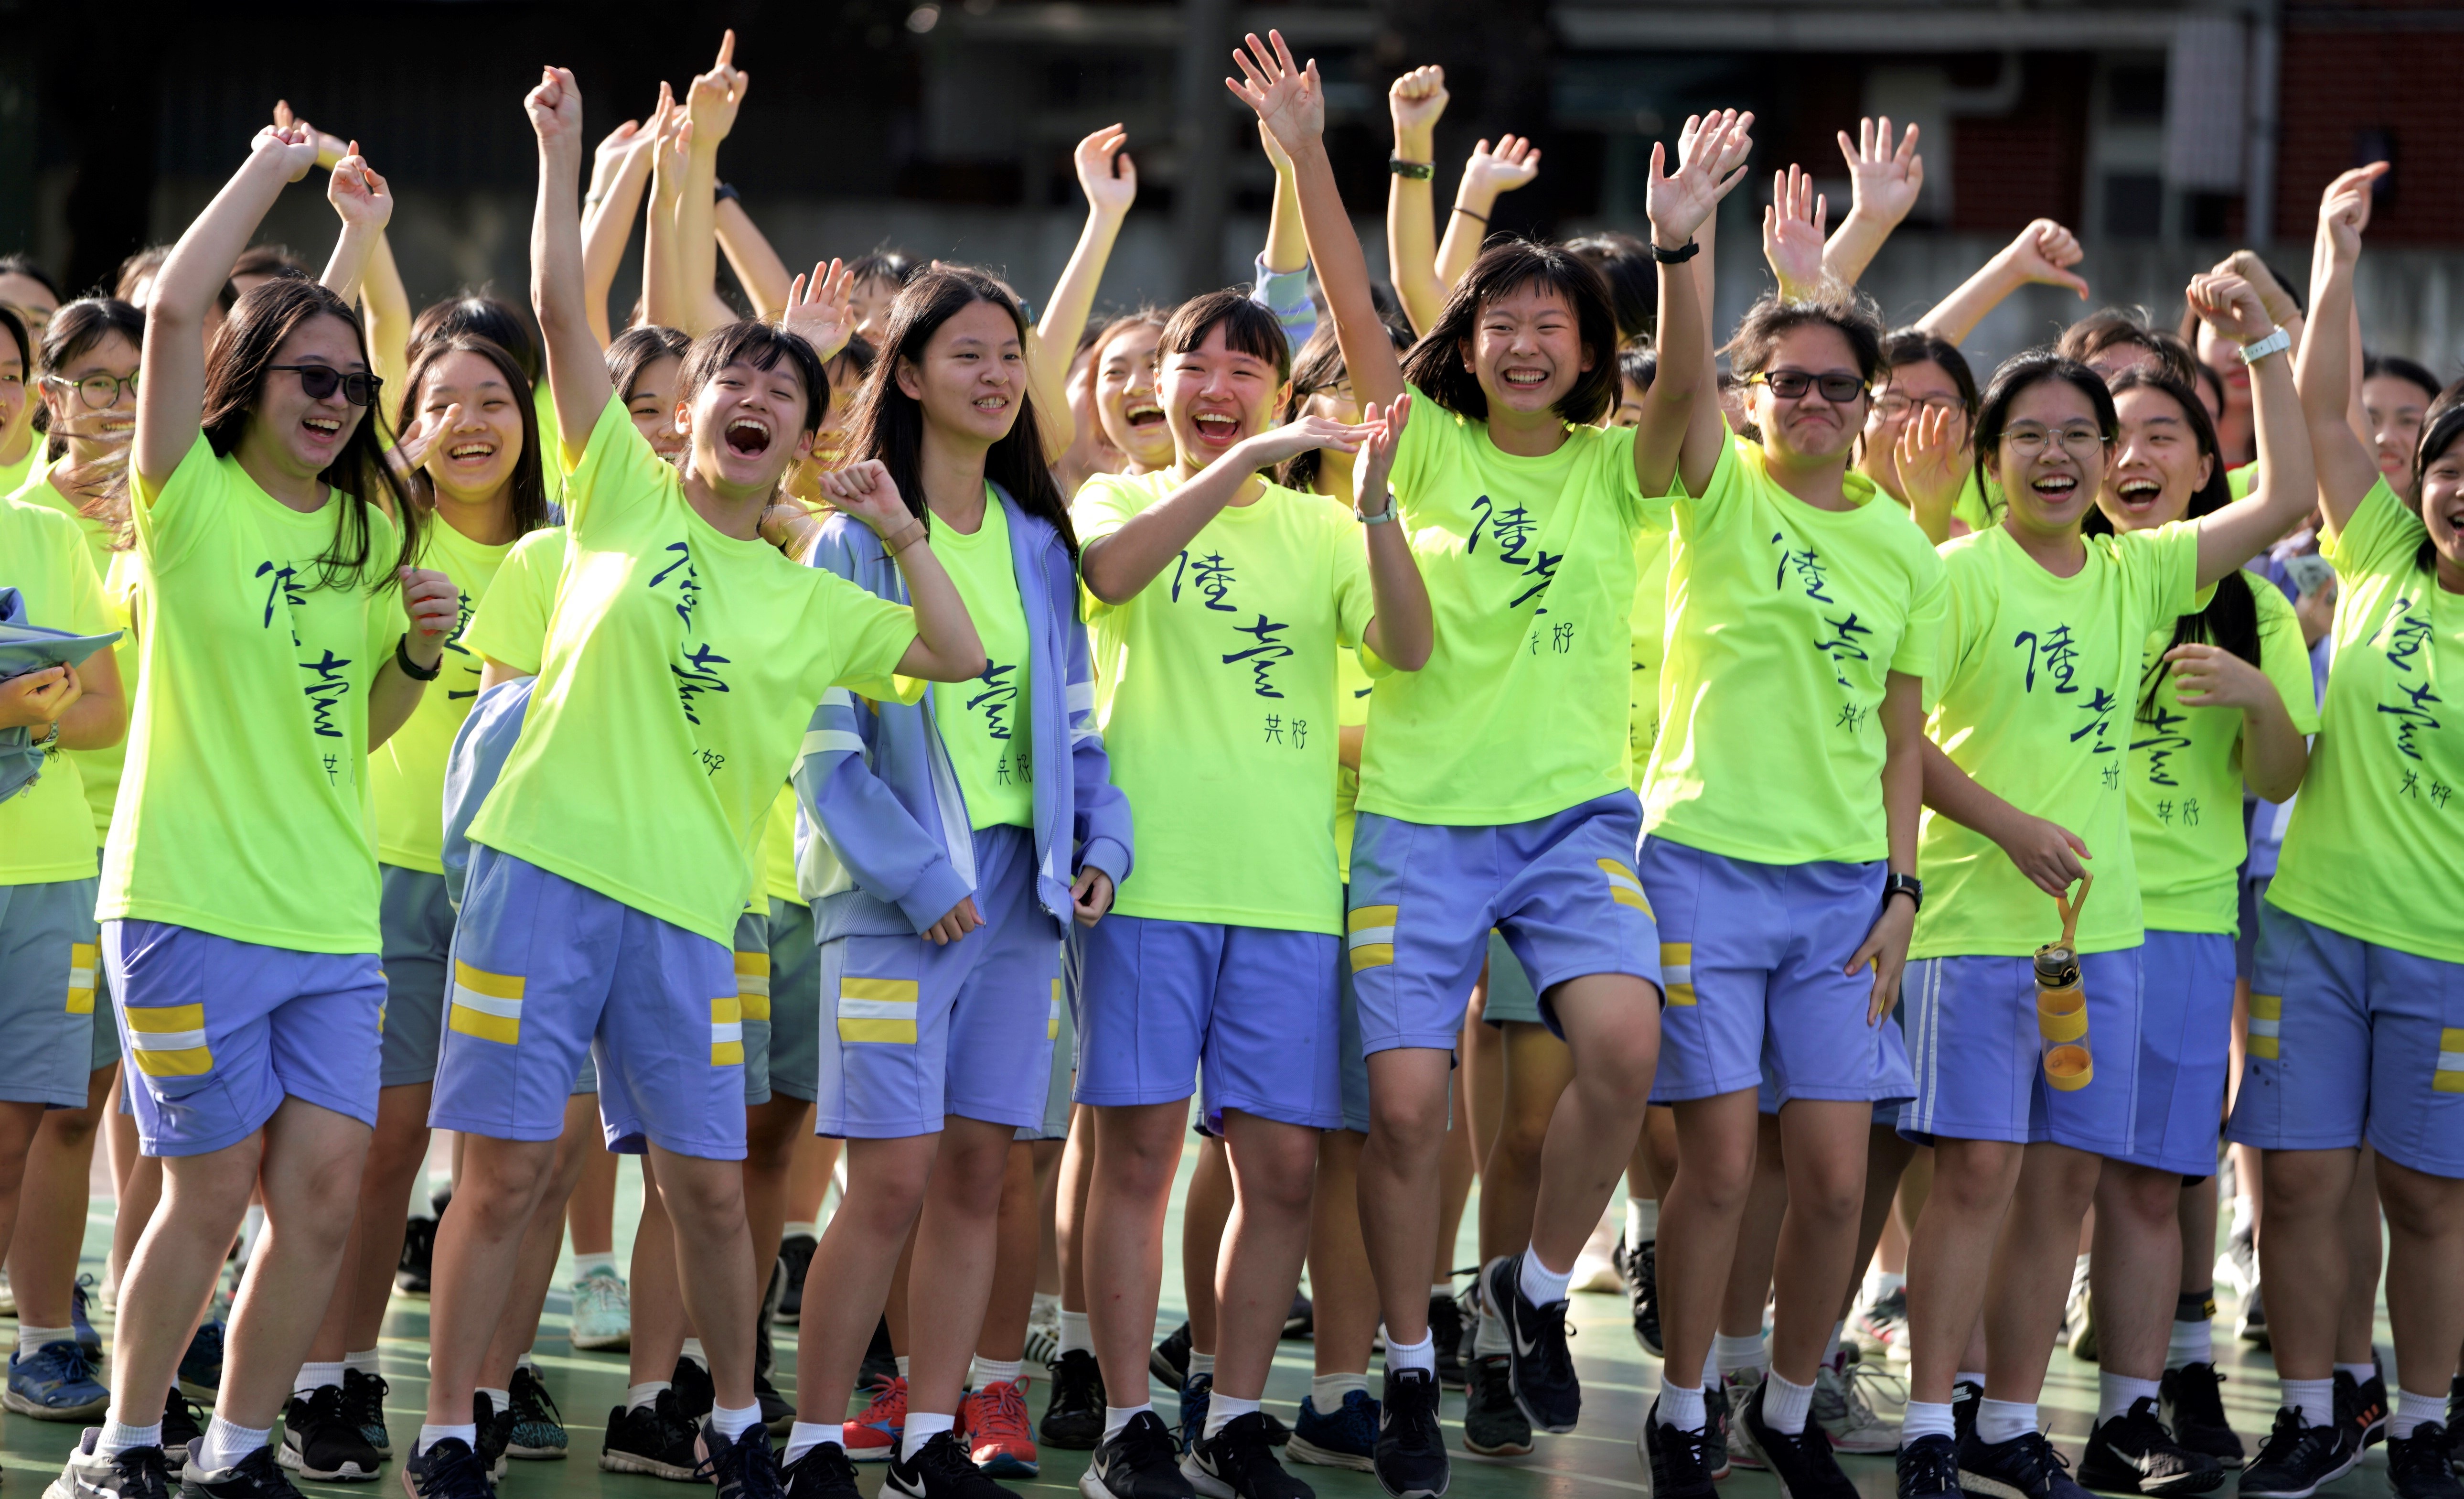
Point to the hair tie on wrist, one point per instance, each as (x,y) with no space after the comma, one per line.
(1469,215)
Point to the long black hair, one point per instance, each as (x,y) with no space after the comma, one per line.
(636,349)
(235,376)
(888,423)
(1318,366)
(2230,619)
(2440,429)
(527,501)
(1436,365)
(73,333)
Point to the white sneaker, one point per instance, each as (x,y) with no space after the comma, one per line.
(1844,1411)
(1740,1383)
(603,1311)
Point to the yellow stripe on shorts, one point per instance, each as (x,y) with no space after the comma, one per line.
(2449,1076)
(2266,1024)
(169,1040)
(1676,972)
(487,1007)
(877,1010)
(1053,1020)
(83,958)
(1369,936)
(1623,887)
(727,1029)
(753,985)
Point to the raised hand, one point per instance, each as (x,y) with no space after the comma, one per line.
(1679,202)
(1369,476)
(1932,458)
(1106,174)
(1512,164)
(714,97)
(1792,228)
(433,607)
(2344,210)
(614,147)
(358,194)
(1886,179)
(297,148)
(2230,305)
(1416,100)
(2044,253)
(1711,131)
(1296,437)
(867,492)
(554,108)
(330,147)
(820,307)
(1290,100)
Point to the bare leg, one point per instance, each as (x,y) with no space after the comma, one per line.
(1756,1256)
(1011,1298)
(1480,1081)
(1700,1218)
(808,1177)
(2031,1274)
(2134,1273)
(1069,1206)
(137,1183)
(397,1153)
(1949,1253)
(1886,1158)
(770,1133)
(1537,1069)
(60,1166)
(1047,1217)
(659,1324)
(1273,1165)
(2304,1248)
(1203,1213)
(590,1213)
(956,1240)
(1816,1265)
(1397,1182)
(2358,1315)
(1137,1149)
(478,1248)
(1338,1262)
(2425,1244)
(526,1296)
(1457,1170)
(857,1256)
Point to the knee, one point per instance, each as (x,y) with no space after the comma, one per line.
(72,1129)
(882,1206)
(1614,1071)
(972,1177)
(2305,1183)
(1276,1175)
(1832,1196)
(2420,1206)
(501,1187)
(2151,1198)
(1408,1124)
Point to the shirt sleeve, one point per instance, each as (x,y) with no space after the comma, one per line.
(1695,514)
(2281,654)
(2162,567)
(1104,504)
(618,471)
(1968,572)
(1286,294)
(2381,537)
(1921,639)
(1422,457)
(862,638)
(169,523)
(510,624)
(1355,604)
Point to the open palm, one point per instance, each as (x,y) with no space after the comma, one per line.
(1289,100)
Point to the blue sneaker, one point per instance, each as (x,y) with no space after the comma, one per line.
(201,1367)
(2027,1466)
(55,1383)
(1196,1393)
(87,1338)
(1345,1437)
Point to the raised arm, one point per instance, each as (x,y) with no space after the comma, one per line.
(170,399)
(387,303)
(2043,255)
(365,205)
(1116,568)
(1793,232)
(2345,468)
(664,283)
(758,270)
(620,174)
(1282,284)
(711,102)
(1728,151)
(1110,180)
(1670,442)
(1291,101)
(1486,176)
(1400,629)
(1884,182)
(1413,103)
(946,647)
(2288,481)
(576,372)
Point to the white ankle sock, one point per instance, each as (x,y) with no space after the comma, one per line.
(1734,1353)
(2314,1400)
(1488,1332)
(223,1445)
(1223,1409)
(1540,1285)
(32,1339)
(902,1364)
(988,1370)
(497,1400)
(805,1230)
(1200,1364)
(642,1397)
(2190,1343)
(733,1423)
(921,1428)
(2411,1410)
(1328,1390)
(429,1436)
(584,1264)
(693,1350)
(1641,1221)
(811,1434)
(1975,1377)
(1784,1404)
(1681,1409)
(364,1362)
(2004,1421)
(1925,1418)
(118,1437)
(2116,1393)
(1075,1336)
(2359,1374)
(1440,1289)
(1422,1354)
(313,1378)
(1116,1417)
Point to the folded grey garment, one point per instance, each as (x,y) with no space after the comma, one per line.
(25,647)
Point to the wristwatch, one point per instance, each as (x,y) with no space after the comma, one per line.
(1907,885)
(1378,520)
(1418,171)
(412,669)
(2275,342)
(1677,257)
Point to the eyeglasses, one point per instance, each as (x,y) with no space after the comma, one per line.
(2030,441)
(1789,384)
(100,392)
(1894,406)
(320,380)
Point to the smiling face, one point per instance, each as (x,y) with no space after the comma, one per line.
(745,426)
(1526,349)
(31,299)
(472,460)
(300,435)
(2442,512)
(2394,407)
(870,300)
(1810,429)
(92,433)
(973,375)
(1214,395)
(2157,465)
(2051,461)
(14,380)
(1906,390)
(1127,401)
(652,403)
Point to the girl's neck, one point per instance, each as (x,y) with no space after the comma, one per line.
(305,493)
(1334,475)
(488,521)
(1251,490)
(952,467)
(1525,434)
(2451,573)
(2061,553)
(1820,483)
(15,444)
(727,514)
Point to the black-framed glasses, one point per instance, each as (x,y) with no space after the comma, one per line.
(100,392)
(320,380)
(1789,384)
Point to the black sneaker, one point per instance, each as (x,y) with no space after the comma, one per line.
(1301,1320)
(1169,1362)
(778,1413)
(1965,1396)
(495,1432)
(1195,1395)
(743,1468)
(1929,1467)
(321,1442)
(1675,1464)
(1446,1330)
(2456,1423)
(1277,1433)
(2297,1459)
(1073,1413)
(2418,1466)
(2024,1467)
(943,1470)
(1639,1269)
(535,1432)
(1239,1463)
(1493,1424)
(696,1395)
(1802,1459)
(364,1398)
(2192,1405)
(1411,1447)
(823,1472)
(255,1476)
(132,1473)
(1141,1461)
(2134,1454)
(418,1254)
(652,1439)
(449,1469)
(796,1257)
(180,1426)
(1715,1427)
(1543,1368)
(2363,1405)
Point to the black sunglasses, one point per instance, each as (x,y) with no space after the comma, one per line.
(320,380)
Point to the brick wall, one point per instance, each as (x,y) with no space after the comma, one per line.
(2028,163)
(2356,74)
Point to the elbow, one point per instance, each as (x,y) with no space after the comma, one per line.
(1412,655)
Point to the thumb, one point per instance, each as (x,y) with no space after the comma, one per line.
(2075,282)
(1868,954)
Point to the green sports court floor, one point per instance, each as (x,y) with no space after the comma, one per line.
(1597,1461)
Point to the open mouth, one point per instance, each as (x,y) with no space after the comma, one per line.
(324,429)
(2139,493)
(992,405)
(748,436)
(2057,488)
(474,450)
(1142,415)
(1216,428)
(1523,379)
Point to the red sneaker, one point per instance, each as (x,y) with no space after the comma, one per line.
(1001,1441)
(874,1436)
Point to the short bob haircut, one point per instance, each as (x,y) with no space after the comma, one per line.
(1248,329)
(2034,367)
(1772,318)
(1438,364)
(761,345)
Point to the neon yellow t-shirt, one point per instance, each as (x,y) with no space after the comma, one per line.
(14,477)
(2376,848)
(2186,775)
(1785,623)
(1647,633)
(1215,688)
(552,473)
(100,768)
(245,810)
(779,848)
(46,830)
(1351,689)
(512,622)
(2033,697)
(1969,508)
(1531,571)
(408,769)
(682,666)
(984,722)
